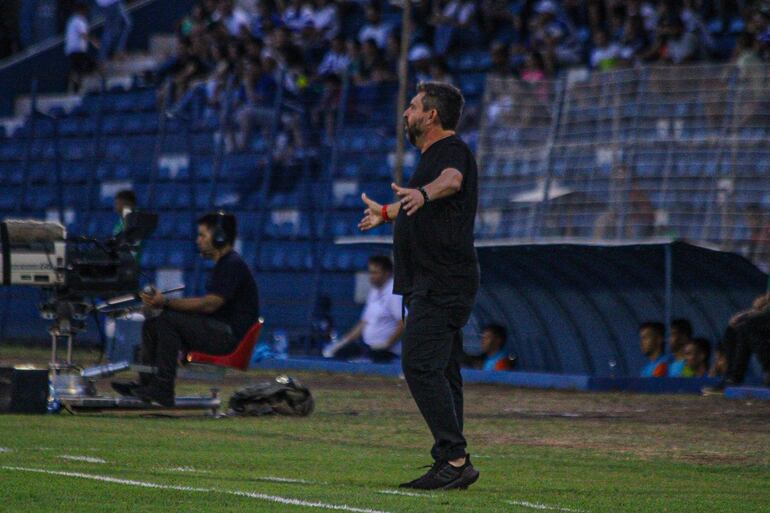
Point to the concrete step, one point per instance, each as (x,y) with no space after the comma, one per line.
(46,102)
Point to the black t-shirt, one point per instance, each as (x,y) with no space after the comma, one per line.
(232,280)
(433,248)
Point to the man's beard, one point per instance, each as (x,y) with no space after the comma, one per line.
(412,133)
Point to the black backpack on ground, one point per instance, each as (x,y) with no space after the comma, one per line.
(283,396)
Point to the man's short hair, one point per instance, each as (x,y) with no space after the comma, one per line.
(383,261)
(682,326)
(229,226)
(658,327)
(497,330)
(446,99)
(127,196)
(704,346)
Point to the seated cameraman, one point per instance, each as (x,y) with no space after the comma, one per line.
(214,323)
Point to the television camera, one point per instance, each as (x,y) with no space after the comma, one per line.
(73,273)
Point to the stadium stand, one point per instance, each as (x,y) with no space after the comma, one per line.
(640,147)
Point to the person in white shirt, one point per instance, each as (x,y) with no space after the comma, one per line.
(381,322)
(375,28)
(76,41)
(326,19)
(234,18)
(336,61)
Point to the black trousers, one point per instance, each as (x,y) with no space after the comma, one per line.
(164,336)
(431,355)
(751,334)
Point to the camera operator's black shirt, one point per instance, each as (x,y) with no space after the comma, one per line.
(433,248)
(232,280)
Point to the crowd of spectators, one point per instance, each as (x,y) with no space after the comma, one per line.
(254,46)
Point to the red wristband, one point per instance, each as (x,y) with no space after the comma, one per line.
(384,213)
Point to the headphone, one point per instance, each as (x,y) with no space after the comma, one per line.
(218,236)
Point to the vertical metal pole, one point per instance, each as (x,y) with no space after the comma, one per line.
(403,82)
(54,338)
(668,286)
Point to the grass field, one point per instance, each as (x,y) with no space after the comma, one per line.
(536,451)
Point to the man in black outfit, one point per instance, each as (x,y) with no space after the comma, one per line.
(436,271)
(214,323)
(747,332)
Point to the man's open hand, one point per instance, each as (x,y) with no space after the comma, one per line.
(372,214)
(411,199)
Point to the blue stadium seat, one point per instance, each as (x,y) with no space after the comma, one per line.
(11,173)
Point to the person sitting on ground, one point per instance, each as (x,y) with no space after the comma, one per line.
(651,338)
(381,322)
(493,338)
(697,353)
(679,337)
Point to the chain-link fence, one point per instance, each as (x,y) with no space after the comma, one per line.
(631,154)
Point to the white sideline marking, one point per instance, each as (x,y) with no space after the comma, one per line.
(272,479)
(188,469)
(87,459)
(535,505)
(284,480)
(406,494)
(159,486)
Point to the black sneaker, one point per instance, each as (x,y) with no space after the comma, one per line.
(443,476)
(433,468)
(155,394)
(125,388)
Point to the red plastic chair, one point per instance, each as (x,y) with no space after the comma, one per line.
(239,358)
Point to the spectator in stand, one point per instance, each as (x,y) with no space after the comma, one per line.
(697,353)
(553,37)
(265,21)
(501,60)
(392,53)
(672,43)
(326,19)
(117,26)
(336,61)
(493,338)
(297,15)
(76,41)
(680,335)
(353,51)
(371,58)
(234,19)
(652,338)
(453,19)
(325,112)
(256,106)
(375,28)
(419,58)
(634,41)
(606,54)
(439,71)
